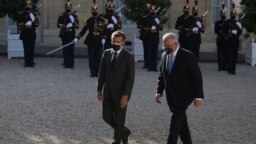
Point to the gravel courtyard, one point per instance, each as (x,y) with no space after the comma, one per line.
(52,105)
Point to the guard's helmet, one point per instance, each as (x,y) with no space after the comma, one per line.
(68,5)
(233,11)
(110,7)
(223,11)
(195,8)
(186,7)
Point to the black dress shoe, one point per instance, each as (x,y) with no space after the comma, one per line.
(26,65)
(116,142)
(126,135)
(93,75)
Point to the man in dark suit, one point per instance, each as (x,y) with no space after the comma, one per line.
(117,72)
(181,78)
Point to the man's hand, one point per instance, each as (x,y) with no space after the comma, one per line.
(124,101)
(198,102)
(99,95)
(157,98)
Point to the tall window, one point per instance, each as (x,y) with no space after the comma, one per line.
(228,3)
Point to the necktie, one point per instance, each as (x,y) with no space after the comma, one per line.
(114,59)
(170,63)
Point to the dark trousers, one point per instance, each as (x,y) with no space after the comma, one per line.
(195,47)
(152,52)
(179,127)
(194,44)
(222,54)
(145,51)
(115,117)
(108,44)
(29,51)
(68,52)
(94,54)
(233,47)
(184,41)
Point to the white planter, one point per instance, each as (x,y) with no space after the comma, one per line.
(250,56)
(138,49)
(15,46)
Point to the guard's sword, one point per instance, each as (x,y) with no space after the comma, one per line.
(205,13)
(242,17)
(60,48)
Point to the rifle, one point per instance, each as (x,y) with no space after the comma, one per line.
(189,29)
(75,10)
(118,10)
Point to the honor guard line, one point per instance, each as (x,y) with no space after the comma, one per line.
(60,48)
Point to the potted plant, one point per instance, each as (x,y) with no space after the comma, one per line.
(249,22)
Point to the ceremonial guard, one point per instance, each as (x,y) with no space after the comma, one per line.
(95,24)
(151,26)
(143,27)
(27,23)
(113,23)
(195,27)
(180,25)
(233,31)
(219,29)
(68,22)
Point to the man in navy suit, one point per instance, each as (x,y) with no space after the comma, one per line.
(181,78)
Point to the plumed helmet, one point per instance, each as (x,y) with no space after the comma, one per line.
(68,4)
(186,7)
(94,7)
(110,6)
(223,10)
(233,11)
(28,2)
(195,8)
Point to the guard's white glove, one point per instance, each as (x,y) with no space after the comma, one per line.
(28,24)
(110,26)
(71,18)
(69,25)
(114,19)
(198,23)
(238,24)
(32,17)
(195,29)
(103,41)
(75,40)
(153,27)
(234,32)
(157,21)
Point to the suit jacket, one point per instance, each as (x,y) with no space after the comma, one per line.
(185,83)
(117,80)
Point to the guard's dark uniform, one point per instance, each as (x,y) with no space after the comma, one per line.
(27,23)
(195,27)
(149,26)
(233,31)
(113,23)
(67,35)
(219,29)
(181,25)
(95,25)
(143,25)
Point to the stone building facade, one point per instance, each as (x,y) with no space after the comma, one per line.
(50,9)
